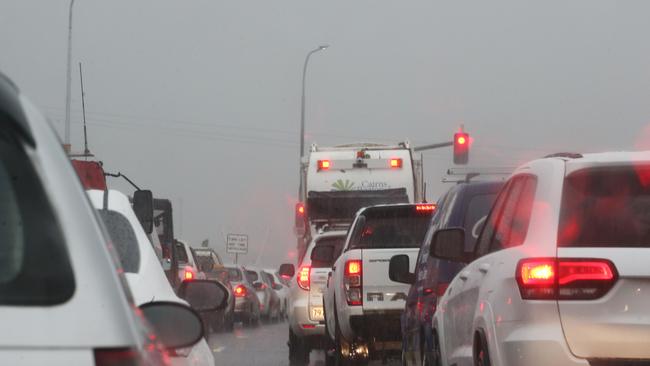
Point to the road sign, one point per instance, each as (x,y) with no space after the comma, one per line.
(237,244)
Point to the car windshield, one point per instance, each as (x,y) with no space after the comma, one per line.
(477,210)
(591,196)
(252,276)
(123,239)
(391,227)
(234,275)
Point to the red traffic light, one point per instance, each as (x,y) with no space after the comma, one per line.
(461,148)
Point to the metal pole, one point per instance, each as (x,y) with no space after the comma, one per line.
(68,79)
(302,104)
(83,109)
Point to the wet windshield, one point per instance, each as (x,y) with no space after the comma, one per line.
(241,137)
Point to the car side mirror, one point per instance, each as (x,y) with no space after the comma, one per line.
(449,244)
(143,208)
(323,253)
(287,271)
(398,270)
(204,295)
(175,325)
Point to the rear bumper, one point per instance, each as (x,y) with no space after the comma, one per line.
(380,326)
(299,320)
(532,344)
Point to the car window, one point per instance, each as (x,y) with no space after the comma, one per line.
(475,215)
(234,275)
(485,238)
(392,227)
(34,264)
(181,253)
(337,242)
(123,239)
(252,276)
(590,197)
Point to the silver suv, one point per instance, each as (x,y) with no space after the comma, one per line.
(306,317)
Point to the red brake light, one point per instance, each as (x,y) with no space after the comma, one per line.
(300,209)
(425,207)
(353,267)
(395,163)
(240,291)
(324,164)
(353,275)
(303,277)
(565,279)
(189,275)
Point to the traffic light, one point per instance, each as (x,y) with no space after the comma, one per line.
(461,148)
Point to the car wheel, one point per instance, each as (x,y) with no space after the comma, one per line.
(298,352)
(481,352)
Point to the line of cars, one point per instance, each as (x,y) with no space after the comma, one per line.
(80,283)
(546,268)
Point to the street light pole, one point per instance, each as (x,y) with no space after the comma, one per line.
(302,106)
(68,80)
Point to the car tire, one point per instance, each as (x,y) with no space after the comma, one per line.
(298,352)
(481,350)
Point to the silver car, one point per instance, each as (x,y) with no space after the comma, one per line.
(306,316)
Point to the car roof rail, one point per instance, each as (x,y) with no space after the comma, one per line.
(567,155)
(465,175)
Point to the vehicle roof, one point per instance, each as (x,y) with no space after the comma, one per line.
(591,160)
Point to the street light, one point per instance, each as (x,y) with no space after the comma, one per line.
(66,140)
(302,109)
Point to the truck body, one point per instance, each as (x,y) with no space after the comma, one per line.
(362,305)
(335,182)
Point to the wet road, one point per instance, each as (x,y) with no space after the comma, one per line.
(265,345)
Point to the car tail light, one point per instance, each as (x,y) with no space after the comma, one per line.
(117,357)
(395,163)
(565,278)
(324,164)
(353,282)
(303,277)
(189,274)
(240,291)
(425,207)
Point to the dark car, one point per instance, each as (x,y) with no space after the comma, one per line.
(465,205)
(247,304)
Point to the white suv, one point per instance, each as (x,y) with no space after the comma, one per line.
(560,272)
(306,317)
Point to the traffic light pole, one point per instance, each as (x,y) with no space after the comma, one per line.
(433,146)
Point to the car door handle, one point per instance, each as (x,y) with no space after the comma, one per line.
(484,268)
(464,275)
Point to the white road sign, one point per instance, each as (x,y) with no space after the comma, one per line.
(237,244)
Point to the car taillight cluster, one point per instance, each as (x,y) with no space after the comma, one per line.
(565,278)
(353,276)
(189,274)
(303,277)
(240,291)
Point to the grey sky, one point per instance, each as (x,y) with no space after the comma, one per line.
(199,100)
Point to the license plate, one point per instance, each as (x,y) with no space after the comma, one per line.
(317,313)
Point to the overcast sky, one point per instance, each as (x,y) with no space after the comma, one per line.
(200,100)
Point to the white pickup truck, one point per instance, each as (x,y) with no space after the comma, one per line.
(362,305)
